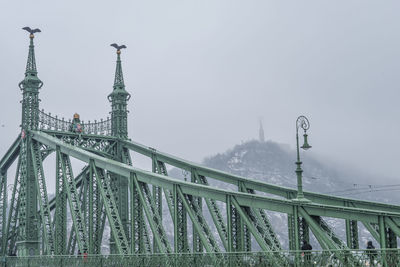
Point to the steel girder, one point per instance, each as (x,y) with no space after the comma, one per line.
(11,155)
(71,244)
(120,189)
(216,215)
(157,167)
(10,236)
(202,236)
(199,223)
(117,228)
(98,144)
(246,204)
(137,221)
(152,215)
(28,231)
(352,234)
(263,225)
(42,197)
(250,200)
(3,210)
(244,200)
(74,202)
(176,207)
(257,185)
(328,239)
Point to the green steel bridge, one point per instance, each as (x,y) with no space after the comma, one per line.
(111,192)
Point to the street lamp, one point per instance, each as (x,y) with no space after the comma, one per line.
(301,122)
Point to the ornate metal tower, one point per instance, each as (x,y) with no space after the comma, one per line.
(28,238)
(119,100)
(119,128)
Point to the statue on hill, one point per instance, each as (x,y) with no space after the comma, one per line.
(261,133)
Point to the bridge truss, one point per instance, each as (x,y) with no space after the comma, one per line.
(110,192)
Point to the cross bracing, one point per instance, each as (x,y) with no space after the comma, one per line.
(111,192)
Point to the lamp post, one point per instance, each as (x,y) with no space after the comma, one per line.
(301,122)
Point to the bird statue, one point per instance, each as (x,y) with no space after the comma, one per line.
(118,47)
(31,31)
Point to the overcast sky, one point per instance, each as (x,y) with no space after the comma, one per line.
(201,73)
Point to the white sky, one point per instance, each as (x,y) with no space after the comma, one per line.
(201,73)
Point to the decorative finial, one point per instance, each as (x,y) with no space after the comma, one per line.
(118,47)
(31,31)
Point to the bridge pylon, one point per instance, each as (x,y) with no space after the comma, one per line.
(27,242)
(119,98)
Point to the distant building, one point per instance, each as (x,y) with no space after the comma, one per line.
(261,133)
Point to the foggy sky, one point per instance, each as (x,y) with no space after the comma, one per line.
(201,73)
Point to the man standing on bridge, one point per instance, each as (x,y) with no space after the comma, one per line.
(307,254)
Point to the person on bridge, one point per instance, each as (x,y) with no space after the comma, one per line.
(76,124)
(306,247)
(371,252)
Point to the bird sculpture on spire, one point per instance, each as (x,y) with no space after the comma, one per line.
(31,31)
(118,47)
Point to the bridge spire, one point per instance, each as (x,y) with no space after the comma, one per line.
(31,62)
(30,86)
(28,231)
(119,99)
(119,128)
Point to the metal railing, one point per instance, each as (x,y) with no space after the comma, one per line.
(49,122)
(387,257)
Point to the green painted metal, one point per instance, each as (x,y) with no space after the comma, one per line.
(11,155)
(28,231)
(117,228)
(137,224)
(119,128)
(48,237)
(200,224)
(152,216)
(111,191)
(10,236)
(3,209)
(74,203)
(245,199)
(317,258)
(197,244)
(257,185)
(216,215)
(157,167)
(72,239)
(119,98)
(276,260)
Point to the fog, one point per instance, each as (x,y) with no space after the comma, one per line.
(202,73)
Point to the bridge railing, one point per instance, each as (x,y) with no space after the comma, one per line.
(49,122)
(386,257)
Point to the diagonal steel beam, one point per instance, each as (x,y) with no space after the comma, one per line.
(257,185)
(245,199)
(42,196)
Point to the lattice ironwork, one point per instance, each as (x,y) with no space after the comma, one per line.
(3,209)
(43,199)
(215,214)
(114,220)
(199,222)
(49,122)
(74,204)
(158,167)
(71,246)
(109,189)
(152,216)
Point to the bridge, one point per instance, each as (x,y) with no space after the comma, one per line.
(110,192)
